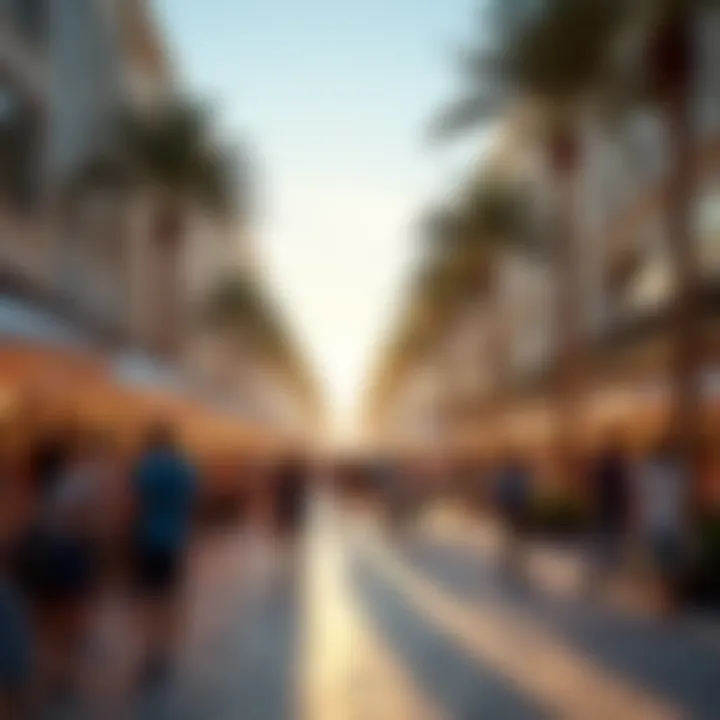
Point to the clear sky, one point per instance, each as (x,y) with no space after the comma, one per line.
(333,98)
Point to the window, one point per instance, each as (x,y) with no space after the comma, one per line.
(19,144)
(32,18)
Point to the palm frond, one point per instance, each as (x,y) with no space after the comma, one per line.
(238,306)
(176,149)
(552,51)
(466,114)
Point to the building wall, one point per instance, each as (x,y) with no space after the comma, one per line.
(214,251)
(86,90)
(83,257)
(24,102)
(23,46)
(625,175)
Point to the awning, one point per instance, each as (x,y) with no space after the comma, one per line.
(138,371)
(21,320)
(143,372)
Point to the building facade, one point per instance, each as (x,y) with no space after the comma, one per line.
(626,274)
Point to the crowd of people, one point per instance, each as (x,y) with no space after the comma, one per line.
(80,521)
(632,506)
(77,524)
(632,513)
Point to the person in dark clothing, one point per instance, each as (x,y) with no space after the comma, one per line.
(389,482)
(17,644)
(611,493)
(165,490)
(48,459)
(56,561)
(290,497)
(513,497)
(16,649)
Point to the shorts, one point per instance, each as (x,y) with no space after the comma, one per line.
(57,568)
(157,571)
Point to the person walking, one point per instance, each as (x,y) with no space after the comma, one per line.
(16,636)
(514,484)
(611,495)
(662,503)
(165,488)
(16,652)
(56,566)
(290,506)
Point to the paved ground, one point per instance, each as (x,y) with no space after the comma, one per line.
(663,656)
(472,643)
(669,669)
(238,652)
(422,629)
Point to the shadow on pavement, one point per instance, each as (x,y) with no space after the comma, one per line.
(661,657)
(245,669)
(463,689)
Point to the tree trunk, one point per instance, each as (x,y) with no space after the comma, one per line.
(564,160)
(673,64)
(169,308)
(499,331)
(686,418)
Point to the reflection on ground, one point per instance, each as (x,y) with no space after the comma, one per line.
(420,627)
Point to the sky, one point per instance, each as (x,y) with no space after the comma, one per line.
(333,99)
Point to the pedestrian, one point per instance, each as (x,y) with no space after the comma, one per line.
(47,460)
(662,491)
(16,637)
(385,479)
(56,564)
(513,499)
(16,645)
(611,495)
(165,490)
(290,486)
(707,497)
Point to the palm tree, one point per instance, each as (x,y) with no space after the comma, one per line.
(463,246)
(173,160)
(235,311)
(551,58)
(431,299)
(671,65)
(496,216)
(565,70)
(175,156)
(468,246)
(241,311)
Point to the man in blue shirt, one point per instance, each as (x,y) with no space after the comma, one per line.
(165,489)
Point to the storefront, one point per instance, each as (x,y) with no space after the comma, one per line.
(51,375)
